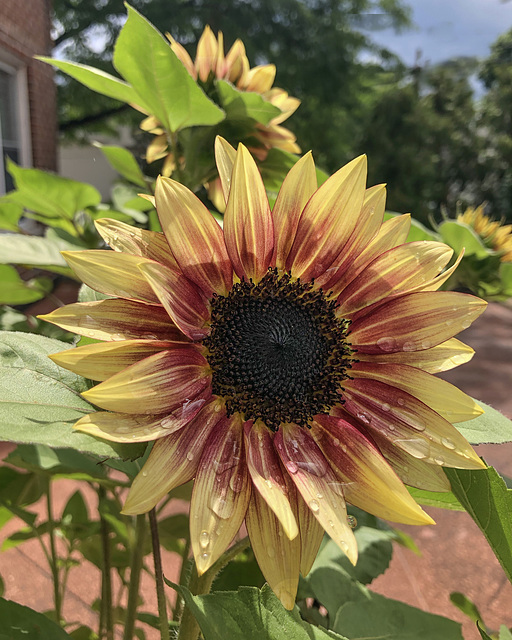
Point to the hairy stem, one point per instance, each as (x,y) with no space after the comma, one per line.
(159,577)
(135,570)
(106,579)
(53,554)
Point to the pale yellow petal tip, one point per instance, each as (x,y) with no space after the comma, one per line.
(203,562)
(290,527)
(286,597)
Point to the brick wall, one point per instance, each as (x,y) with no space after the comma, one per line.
(25,32)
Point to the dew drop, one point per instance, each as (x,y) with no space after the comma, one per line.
(391,426)
(401,401)
(269,483)
(409,346)
(116,337)
(190,456)
(352,522)
(387,344)
(426,344)
(439,460)
(331,523)
(123,429)
(385,407)
(204,539)
(291,466)
(167,422)
(271,552)
(319,495)
(344,545)
(145,474)
(364,418)
(205,556)
(449,444)
(465,324)
(314,506)
(449,323)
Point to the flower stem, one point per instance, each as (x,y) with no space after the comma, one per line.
(159,579)
(135,570)
(106,581)
(53,555)
(201,585)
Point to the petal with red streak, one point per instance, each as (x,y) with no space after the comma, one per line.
(112,273)
(116,320)
(317,484)
(368,480)
(172,461)
(158,384)
(327,221)
(195,237)
(221,494)
(225,156)
(182,299)
(415,321)
(248,229)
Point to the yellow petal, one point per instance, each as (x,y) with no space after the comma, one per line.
(261,78)
(221,494)
(443,357)
(194,236)
(441,396)
(278,557)
(172,461)
(316,482)
(206,54)
(139,242)
(328,220)
(115,319)
(102,360)
(183,55)
(157,384)
(225,156)
(297,188)
(311,535)
(112,273)
(267,475)
(367,479)
(248,229)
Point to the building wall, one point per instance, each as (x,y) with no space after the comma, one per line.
(25,32)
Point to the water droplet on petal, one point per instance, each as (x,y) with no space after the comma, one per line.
(205,556)
(123,429)
(204,539)
(387,344)
(426,344)
(291,466)
(409,346)
(190,456)
(314,506)
(449,444)
(117,336)
(145,474)
(366,419)
(385,407)
(465,324)
(401,401)
(439,460)
(271,552)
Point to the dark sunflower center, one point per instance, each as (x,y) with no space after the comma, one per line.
(277,350)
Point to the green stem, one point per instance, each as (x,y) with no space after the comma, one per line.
(201,585)
(183,571)
(135,570)
(53,554)
(159,577)
(106,579)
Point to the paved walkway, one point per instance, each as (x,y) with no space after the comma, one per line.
(455,555)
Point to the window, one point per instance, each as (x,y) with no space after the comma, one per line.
(14,121)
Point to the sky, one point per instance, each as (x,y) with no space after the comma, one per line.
(448,28)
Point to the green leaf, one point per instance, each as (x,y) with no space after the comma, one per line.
(124,162)
(467,607)
(386,619)
(459,236)
(86,294)
(505,633)
(250,614)
(485,497)
(440,499)
(10,213)
(489,427)
(145,59)
(39,401)
(505,273)
(243,105)
(483,633)
(75,511)
(125,199)
(14,290)
(21,623)
(34,250)
(20,489)
(97,80)
(49,194)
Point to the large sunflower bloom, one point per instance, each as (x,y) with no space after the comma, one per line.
(493,233)
(212,63)
(284,362)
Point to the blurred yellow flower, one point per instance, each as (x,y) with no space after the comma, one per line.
(494,234)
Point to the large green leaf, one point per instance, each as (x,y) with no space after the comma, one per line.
(489,427)
(145,59)
(97,80)
(243,105)
(440,499)
(124,162)
(34,250)
(250,614)
(378,617)
(14,290)
(50,195)
(10,213)
(21,623)
(39,401)
(488,501)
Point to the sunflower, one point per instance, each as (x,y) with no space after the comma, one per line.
(285,361)
(494,234)
(211,64)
